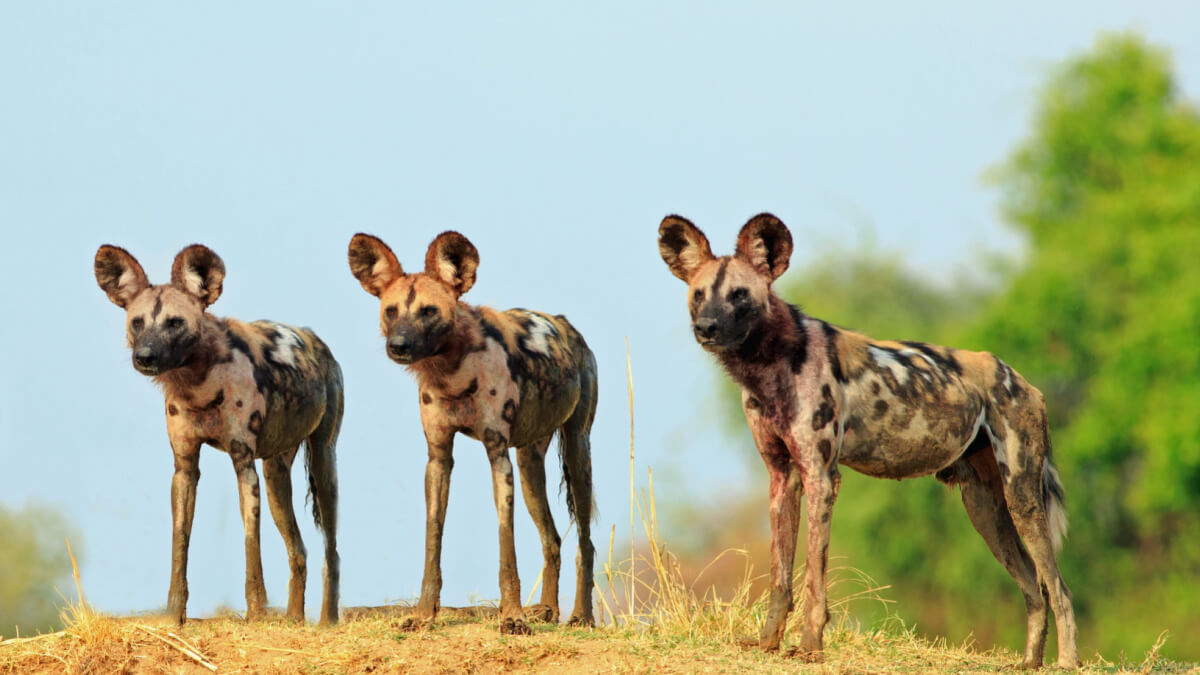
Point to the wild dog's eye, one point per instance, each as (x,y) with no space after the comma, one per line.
(428,311)
(698,295)
(390,312)
(174,323)
(738,295)
(137,324)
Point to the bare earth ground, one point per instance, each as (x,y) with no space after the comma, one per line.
(467,641)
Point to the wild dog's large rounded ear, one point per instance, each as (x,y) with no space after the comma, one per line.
(765,243)
(119,274)
(682,246)
(453,259)
(373,263)
(200,272)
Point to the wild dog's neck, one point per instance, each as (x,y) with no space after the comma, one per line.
(433,371)
(210,348)
(778,342)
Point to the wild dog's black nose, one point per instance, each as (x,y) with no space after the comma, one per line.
(398,347)
(705,328)
(144,357)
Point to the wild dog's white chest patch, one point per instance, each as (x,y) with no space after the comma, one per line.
(286,345)
(540,330)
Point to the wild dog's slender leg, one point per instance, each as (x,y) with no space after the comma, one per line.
(577,467)
(248,498)
(785,492)
(183,507)
(277,474)
(983,495)
(531,461)
(783,477)
(321,456)
(821,481)
(437,488)
(512,620)
(1026,505)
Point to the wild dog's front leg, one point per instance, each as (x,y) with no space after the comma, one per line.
(437,489)
(512,619)
(784,479)
(183,507)
(248,498)
(821,481)
(785,522)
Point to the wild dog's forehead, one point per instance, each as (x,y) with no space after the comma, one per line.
(723,274)
(413,290)
(160,301)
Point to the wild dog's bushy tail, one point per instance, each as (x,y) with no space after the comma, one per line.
(1054,497)
(312,485)
(320,455)
(574,444)
(569,478)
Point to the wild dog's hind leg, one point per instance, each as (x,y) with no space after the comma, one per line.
(1024,494)
(577,472)
(512,620)
(183,507)
(321,456)
(277,474)
(531,461)
(983,496)
(248,498)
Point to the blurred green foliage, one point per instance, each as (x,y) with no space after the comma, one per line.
(34,569)
(1103,315)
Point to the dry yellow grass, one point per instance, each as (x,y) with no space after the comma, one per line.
(372,644)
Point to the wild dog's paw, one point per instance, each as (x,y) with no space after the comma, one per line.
(582,621)
(414,624)
(541,612)
(805,655)
(514,626)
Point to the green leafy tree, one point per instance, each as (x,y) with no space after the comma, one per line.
(34,568)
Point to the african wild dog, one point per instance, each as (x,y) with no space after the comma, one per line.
(816,395)
(510,379)
(254,390)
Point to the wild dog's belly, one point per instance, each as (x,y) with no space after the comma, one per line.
(889,437)
(291,415)
(545,406)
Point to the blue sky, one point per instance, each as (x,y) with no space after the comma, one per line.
(554,135)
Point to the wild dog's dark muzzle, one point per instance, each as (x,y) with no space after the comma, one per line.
(706,329)
(146,360)
(150,356)
(400,348)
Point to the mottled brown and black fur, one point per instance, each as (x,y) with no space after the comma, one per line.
(816,396)
(508,379)
(254,390)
